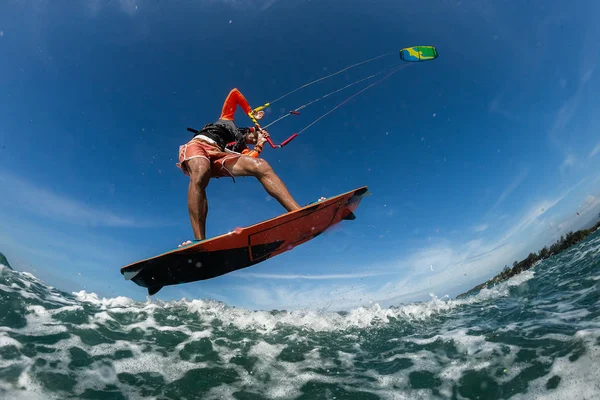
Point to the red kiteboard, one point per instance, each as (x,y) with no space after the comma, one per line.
(243,247)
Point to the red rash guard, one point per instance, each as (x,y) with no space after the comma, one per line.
(234,99)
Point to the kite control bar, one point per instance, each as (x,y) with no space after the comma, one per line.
(282,144)
(273,145)
(286,141)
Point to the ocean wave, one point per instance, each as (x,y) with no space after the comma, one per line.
(533,335)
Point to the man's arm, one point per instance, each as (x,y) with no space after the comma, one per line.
(234,98)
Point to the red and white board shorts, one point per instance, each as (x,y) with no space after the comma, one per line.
(199,148)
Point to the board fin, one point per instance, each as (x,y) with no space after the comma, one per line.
(364,192)
(153,290)
(350,217)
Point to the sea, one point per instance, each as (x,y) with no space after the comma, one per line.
(534,336)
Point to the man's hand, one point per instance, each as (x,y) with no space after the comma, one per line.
(262,136)
(258,114)
(264,132)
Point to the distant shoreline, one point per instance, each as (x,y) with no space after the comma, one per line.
(562,244)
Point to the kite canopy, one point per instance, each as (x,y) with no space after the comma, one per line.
(418,53)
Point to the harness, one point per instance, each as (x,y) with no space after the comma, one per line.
(225,134)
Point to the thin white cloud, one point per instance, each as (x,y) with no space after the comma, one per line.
(69,246)
(532,216)
(437,269)
(511,187)
(595,151)
(568,162)
(563,117)
(480,228)
(31,198)
(485,253)
(495,107)
(569,108)
(131,7)
(310,277)
(128,7)
(589,201)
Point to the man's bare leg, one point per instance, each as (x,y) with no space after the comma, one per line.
(249,166)
(197,203)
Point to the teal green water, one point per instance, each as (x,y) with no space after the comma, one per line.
(536,336)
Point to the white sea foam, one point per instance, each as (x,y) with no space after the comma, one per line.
(579,379)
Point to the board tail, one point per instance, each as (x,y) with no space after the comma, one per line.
(129,275)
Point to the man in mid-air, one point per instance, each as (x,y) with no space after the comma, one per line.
(220,150)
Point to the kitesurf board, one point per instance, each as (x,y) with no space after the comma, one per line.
(244,246)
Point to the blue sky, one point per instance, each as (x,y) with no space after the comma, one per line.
(473,160)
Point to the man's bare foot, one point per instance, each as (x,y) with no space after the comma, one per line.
(188,242)
(318,201)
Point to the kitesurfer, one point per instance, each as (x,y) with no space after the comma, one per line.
(219,150)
